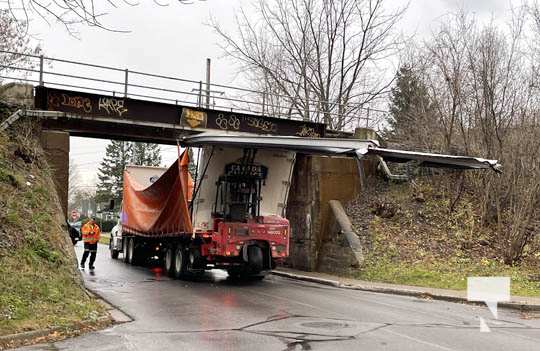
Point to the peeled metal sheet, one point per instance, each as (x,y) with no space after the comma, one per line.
(344,147)
(161,208)
(306,145)
(435,160)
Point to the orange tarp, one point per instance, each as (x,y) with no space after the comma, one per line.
(161,208)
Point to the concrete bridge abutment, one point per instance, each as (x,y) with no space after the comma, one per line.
(56,147)
(316,181)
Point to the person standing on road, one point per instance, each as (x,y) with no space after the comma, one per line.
(90,235)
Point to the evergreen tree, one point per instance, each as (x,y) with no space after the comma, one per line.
(117,155)
(146,154)
(410,108)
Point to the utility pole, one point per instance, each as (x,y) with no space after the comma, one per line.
(208,83)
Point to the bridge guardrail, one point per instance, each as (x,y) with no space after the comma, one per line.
(122,82)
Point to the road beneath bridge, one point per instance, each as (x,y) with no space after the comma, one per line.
(281,314)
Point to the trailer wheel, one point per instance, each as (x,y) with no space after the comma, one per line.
(180,262)
(130,250)
(125,249)
(168,262)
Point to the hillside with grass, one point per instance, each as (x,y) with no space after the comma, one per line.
(40,286)
(427,233)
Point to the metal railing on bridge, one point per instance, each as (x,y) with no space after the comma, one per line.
(123,82)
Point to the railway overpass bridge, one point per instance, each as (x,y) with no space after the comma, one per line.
(81,99)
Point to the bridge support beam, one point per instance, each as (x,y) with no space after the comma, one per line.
(56,147)
(317,180)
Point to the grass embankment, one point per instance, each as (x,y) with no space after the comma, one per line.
(415,239)
(40,286)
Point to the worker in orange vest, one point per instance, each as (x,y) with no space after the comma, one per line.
(90,235)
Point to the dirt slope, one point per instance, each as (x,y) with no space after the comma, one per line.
(418,233)
(40,285)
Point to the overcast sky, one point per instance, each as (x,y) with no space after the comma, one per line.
(175,41)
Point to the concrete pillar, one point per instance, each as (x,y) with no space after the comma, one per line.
(316,180)
(368,134)
(301,211)
(56,147)
(365,134)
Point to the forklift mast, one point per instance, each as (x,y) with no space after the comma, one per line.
(238,195)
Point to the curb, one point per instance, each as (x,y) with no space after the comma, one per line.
(26,338)
(115,313)
(523,307)
(307,278)
(114,316)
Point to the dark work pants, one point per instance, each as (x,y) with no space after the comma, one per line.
(89,249)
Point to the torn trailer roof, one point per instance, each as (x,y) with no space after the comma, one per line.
(341,147)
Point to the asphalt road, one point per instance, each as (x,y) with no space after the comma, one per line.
(215,313)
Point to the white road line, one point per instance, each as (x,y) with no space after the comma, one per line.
(296,302)
(496,330)
(417,340)
(440,314)
(367,300)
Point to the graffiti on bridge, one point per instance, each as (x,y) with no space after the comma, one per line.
(228,122)
(237,122)
(75,102)
(308,132)
(112,106)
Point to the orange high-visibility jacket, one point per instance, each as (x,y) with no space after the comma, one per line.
(90,233)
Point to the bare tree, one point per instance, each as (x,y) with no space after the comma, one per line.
(480,81)
(71,13)
(317,60)
(534,12)
(13,39)
(446,73)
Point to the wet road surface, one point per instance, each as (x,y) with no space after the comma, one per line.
(215,313)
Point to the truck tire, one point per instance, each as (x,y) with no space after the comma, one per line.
(168,261)
(255,258)
(180,262)
(132,254)
(125,249)
(114,253)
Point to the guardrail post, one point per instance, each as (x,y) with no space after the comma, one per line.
(41,70)
(126,83)
(200,93)
(207,83)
